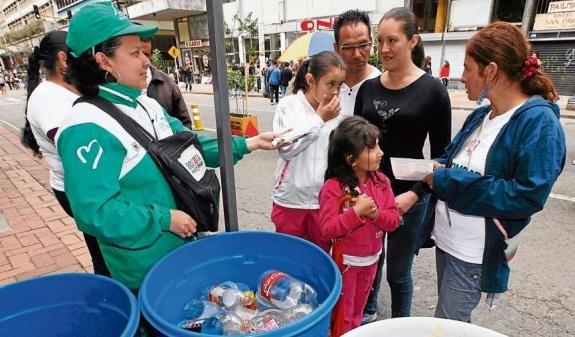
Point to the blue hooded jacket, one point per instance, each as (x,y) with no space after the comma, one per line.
(521,167)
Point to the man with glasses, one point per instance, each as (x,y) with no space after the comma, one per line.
(164,90)
(353,43)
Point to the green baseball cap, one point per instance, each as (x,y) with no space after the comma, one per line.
(98,22)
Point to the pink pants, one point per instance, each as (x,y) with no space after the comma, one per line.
(357,283)
(303,223)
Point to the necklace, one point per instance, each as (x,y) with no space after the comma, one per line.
(474,143)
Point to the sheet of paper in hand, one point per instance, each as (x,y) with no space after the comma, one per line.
(411,169)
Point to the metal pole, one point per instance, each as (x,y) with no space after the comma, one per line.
(528,16)
(222,108)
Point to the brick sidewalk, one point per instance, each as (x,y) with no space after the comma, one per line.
(36,236)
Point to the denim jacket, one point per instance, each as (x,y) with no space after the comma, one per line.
(521,166)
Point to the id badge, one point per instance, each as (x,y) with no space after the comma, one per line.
(191,159)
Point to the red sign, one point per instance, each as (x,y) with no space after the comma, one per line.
(316,24)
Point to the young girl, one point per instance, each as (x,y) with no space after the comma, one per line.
(313,112)
(356,206)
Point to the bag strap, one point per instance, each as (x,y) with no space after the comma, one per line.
(138,132)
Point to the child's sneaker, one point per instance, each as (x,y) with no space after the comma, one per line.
(368,318)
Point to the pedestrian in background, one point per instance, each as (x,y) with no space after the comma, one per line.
(2,83)
(274,80)
(497,172)
(444,73)
(427,65)
(407,105)
(352,31)
(48,103)
(285,78)
(312,112)
(164,90)
(356,207)
(188,77)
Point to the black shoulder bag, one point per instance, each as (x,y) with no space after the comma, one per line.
(179,157)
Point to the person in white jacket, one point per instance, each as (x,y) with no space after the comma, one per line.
(312,113)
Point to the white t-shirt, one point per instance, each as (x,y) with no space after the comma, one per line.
(47,106)
(347,95)
(459,235)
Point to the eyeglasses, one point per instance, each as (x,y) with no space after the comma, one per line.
(360,47)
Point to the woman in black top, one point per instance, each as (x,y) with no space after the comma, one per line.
(407,105)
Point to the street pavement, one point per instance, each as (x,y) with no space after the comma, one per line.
(38,238)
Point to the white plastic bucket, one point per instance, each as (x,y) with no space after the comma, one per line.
(421,327)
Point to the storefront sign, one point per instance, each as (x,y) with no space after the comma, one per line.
(315,24)
(554,21)
(193,43)
(561,6)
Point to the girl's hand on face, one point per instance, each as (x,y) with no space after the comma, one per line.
(364,205)
(182,224)
(329,108)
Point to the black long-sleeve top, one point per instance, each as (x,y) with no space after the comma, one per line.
(405,117)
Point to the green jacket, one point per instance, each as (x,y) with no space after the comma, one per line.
(116,192)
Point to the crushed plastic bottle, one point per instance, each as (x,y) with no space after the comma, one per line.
(298,312)
(283,291)
(201,309)
(231,294)
(268,320)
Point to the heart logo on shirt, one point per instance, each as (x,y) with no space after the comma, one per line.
(87,149)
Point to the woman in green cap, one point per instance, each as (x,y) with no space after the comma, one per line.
(115,189)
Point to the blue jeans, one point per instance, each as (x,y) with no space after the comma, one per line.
(401,247)
(458,287)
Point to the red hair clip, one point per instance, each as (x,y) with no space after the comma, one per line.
(530,67)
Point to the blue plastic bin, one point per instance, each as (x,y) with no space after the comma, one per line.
(68,305)
(241,257)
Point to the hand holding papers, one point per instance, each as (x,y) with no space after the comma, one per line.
(411,169)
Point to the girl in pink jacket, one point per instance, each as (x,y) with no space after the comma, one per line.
(357,207)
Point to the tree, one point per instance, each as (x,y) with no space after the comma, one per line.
(247,28)
(157,59)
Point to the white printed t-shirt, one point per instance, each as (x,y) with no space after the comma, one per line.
(347,95)
(47,107)
(463,236)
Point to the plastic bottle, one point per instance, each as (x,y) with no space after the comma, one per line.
(231,294)
(283,291)
(201,309)
(268,320)
(298,312)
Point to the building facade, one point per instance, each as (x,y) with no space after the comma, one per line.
(553,38)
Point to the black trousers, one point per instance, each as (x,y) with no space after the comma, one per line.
(100,267)
(274,92)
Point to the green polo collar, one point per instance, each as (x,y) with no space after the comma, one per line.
(120,94)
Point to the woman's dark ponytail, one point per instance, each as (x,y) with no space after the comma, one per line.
(299,82)
(47,52)
(27,136)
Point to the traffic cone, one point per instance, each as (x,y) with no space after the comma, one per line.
(198,123)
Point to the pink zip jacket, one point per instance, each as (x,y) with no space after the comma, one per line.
(361,235)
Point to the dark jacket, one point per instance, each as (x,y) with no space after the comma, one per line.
(521,166)
(285,76)
(164,90)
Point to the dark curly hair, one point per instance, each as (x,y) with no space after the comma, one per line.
(85,73)
(346,142)
(45,55)
(352,16)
